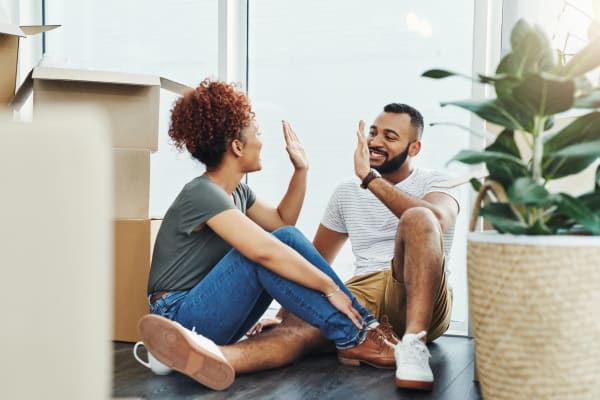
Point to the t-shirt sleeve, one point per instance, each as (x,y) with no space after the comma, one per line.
(248,195)
(333,216)
(201,202)
(436,183)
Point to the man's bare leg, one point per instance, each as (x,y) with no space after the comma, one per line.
(279,346)
(418,257)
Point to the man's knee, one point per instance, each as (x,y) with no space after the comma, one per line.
(418,220)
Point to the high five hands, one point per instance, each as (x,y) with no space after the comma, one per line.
(294,147)
(362,165)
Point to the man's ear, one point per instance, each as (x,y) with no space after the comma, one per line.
(237,147)
(414,148)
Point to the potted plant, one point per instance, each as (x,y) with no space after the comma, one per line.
(534,282)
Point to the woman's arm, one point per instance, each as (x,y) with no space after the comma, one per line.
(259,246)
(288,210)
(264,249)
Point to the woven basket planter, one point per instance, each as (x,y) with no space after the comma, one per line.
(535,310)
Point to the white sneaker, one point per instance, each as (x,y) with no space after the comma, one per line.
(186,351)
(412,363)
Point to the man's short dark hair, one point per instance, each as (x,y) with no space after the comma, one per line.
(416,119)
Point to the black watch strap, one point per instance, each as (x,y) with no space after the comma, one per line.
(373,174)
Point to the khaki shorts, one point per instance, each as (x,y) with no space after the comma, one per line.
(381,294)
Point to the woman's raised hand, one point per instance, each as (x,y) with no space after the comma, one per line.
(294,147)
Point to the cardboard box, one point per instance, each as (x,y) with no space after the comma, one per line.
(132,183)
(131,101)
(133,244)
(9,54)
(56,258)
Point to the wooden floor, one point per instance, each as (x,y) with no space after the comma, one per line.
(315,377)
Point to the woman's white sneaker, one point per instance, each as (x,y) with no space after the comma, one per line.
(186,351)
(412,363)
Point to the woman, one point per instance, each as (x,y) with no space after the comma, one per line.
(215,267)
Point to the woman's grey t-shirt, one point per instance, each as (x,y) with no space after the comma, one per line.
(183,254)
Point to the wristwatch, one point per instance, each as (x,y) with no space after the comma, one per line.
(373,174)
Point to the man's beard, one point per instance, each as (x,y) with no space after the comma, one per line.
(394,164)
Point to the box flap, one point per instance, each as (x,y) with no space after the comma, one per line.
(173,86)
(35,29)
(10,29)
(84,75)
(22,93)
(24,30)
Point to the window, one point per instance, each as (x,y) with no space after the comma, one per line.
(325,65)
(175,39)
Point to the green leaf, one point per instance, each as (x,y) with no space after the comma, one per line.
(475,184)
(438,73)
(526,191)
(503,172)
(591,200)
(577,210)
(584,129)
(597,180)
(505,143)
(503,168)
(518,112)
(509,64)
(476,157)
(586,149)
(519,33)
(585,60)
(500,78)
(531,51)
(503,218)
(442,73)
(539,228)
(544,96)
(490,110)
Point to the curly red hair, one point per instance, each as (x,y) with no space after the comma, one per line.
(205,120)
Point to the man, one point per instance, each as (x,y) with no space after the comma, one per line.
(400,226)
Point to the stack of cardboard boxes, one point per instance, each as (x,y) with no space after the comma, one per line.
(130,102)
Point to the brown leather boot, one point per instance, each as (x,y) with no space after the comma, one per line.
(375,350)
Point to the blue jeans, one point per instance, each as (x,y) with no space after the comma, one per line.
(237,292)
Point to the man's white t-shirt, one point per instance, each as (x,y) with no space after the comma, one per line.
(370,225)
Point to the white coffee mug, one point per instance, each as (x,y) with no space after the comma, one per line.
(156,366)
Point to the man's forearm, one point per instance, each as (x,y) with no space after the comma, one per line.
(398,201)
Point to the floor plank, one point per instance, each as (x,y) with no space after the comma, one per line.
(316,377)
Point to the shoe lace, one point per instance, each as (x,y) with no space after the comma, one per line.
(379,339)
(387,330)
(416,349)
